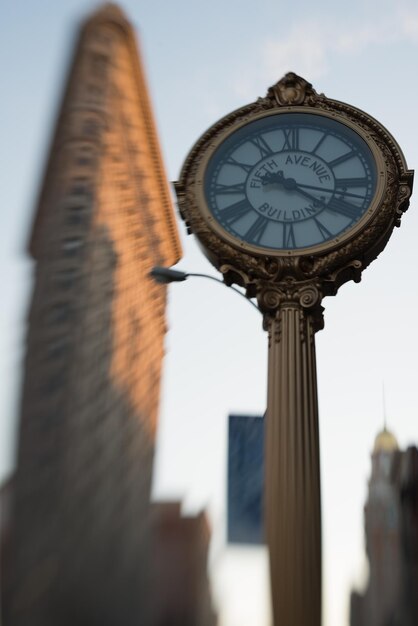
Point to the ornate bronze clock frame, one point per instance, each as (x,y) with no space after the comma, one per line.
(351,225)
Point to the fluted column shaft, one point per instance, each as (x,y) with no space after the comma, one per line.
(292,480)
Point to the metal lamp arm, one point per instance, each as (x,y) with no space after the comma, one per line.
(165,275)
(218,280)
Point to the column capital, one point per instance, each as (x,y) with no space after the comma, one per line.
(306,296)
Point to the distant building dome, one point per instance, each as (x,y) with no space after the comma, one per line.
(385,442)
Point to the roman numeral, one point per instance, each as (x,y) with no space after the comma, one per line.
(341,159)
(237,188)
(234,212)
(244,166)
(344,208)
(256,231)
(289,240)
(324,231)
(291,139)
(351,182)
(262,145)
(320,142)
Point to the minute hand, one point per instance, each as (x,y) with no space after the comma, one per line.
(346,193)
(339,206)
(309,195)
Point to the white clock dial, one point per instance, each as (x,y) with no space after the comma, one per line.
(290,181)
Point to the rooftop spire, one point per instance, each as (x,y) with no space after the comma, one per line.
(384,407)
(385,441)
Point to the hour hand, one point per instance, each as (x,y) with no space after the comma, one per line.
(272,177)
(289,184)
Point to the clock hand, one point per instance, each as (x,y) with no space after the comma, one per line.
(334,204)
(316,201)
(288,183)
(270,177)
(277,177)
(345,193)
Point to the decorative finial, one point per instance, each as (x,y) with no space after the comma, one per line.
(292,90)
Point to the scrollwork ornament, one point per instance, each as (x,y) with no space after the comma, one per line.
(270,299)
(309,297)
(404,193)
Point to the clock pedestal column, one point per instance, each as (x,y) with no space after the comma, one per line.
(292,480)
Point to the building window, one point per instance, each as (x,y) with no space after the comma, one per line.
(85,157)
(94,90)
(80,187)
(124,183)
(59,313)
(99,65)
(57,348)
(54,383)
(103,37)
(76,219)
(77,214)
(91,128)
(85,154)
(72,246)
(84,160)
(66,278)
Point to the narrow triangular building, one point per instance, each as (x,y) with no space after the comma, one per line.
(79,550)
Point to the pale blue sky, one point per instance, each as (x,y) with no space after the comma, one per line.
(204,59)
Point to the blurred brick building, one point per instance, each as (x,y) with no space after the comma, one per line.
(182,590)
(391,525)
(78,553)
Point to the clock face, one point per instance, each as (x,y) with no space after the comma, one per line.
(290,181)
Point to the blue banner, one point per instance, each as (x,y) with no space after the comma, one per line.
(245,479)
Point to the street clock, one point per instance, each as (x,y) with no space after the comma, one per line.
(290,197)
(295,186)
